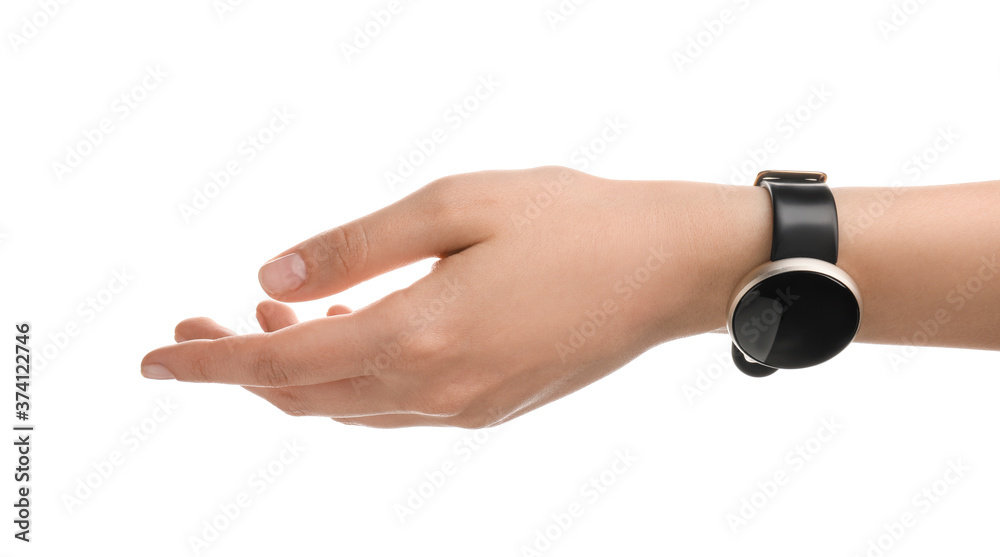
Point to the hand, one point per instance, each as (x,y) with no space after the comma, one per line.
(548,279)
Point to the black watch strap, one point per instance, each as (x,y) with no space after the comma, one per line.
(804,215)
(805,225)
(753,369)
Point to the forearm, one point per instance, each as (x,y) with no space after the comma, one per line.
(926,259)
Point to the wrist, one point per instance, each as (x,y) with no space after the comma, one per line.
(854,252)
(743,240)
(725,232)
(741,236)
(798,309)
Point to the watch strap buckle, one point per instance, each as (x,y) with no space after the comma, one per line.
(780,176)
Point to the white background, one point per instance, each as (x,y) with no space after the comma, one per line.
(904,414)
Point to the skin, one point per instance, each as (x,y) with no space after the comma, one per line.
(548,279)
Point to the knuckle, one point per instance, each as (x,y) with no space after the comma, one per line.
(267,371)
(431,344)
(443,188)
(447,402)
(548,170)
(554,179)
(345,249)
(199,370)
(555,172)
(443,199)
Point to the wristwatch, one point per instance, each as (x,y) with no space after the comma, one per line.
(799,309)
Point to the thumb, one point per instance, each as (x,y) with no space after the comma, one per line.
(433,221)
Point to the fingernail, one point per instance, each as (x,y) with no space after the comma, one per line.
(156,371)
(283,275)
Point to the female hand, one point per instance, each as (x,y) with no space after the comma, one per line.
(547,280)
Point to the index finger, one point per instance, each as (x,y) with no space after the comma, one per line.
(317,351)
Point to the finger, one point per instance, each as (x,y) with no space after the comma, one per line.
(430,222)
(317,351)
(200,328)
(273,316)
(338,310)
(357,396)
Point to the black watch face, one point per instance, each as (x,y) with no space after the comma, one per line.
(795,319)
